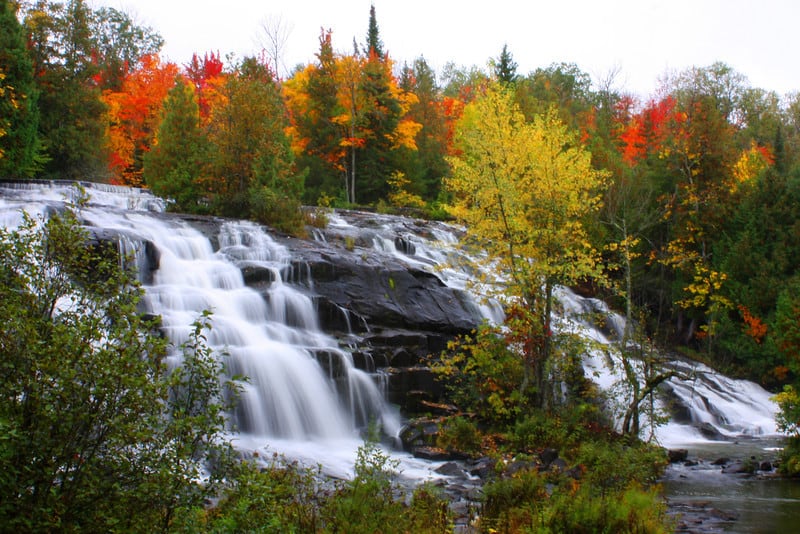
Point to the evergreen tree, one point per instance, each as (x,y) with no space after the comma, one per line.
(253,166)
(374,44)
(505,68)
(315,124)
(72,125)
(20,149)
(175,165)
(381,118)
(426,166)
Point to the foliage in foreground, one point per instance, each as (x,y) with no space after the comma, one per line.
(603,481)
(529,502)
(97,434)
(283,497)
(788,419)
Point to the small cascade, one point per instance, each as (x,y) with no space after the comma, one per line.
(429,245)
(702,404)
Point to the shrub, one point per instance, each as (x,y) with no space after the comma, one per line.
(97,434)
(459,434)
(280,497)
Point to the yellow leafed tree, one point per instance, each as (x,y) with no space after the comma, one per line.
(523,189)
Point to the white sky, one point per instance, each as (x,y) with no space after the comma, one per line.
(642,38)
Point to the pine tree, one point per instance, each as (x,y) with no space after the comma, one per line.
(20,148)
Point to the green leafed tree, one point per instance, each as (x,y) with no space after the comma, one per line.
(252,162)
(119,43)
(71,126)
(96,435)
(524,190)
(20,148)
(425,167)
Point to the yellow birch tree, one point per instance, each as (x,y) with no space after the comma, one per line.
(523,189)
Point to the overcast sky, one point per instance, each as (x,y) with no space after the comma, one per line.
(642,39)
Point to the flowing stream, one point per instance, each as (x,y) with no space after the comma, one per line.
(304,396)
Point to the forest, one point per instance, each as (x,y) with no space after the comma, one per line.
(681,209)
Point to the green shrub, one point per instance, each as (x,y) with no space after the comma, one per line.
(615,465)
(632,510)
(459,434)
(547,503)
(97,435)
(788,419)
(279,498)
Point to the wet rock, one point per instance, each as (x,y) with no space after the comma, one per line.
(420,433)
(384,290)
(257,275)
(677,455)
(765,466)
(435,454)
(483,467)
(741,467)
(411,378)
(516,466)
(405,246)
(709,432)
(547,456)
(402,357)
(721,461)
(451,469)
(559,465)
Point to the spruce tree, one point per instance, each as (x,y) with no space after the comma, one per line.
(374,44)
(506,68)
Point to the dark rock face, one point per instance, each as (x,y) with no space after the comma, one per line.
(383,291)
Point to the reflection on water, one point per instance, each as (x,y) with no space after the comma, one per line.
(713,501)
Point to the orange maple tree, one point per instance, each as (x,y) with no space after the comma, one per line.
(133,116)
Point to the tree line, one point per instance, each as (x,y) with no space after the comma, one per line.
(693,217)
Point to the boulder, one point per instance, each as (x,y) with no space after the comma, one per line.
(677,455)
(451,469)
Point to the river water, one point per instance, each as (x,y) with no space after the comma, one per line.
(704,498)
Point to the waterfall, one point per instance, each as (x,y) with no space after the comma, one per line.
(703,404)
(271,336)
(304,394)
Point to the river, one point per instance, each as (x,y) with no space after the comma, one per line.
(704,498)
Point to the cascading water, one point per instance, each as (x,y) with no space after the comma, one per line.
(704,404)
(304,395)
(272,338)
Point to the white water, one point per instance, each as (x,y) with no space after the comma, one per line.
(291,404)
(733,408)
(288,403)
